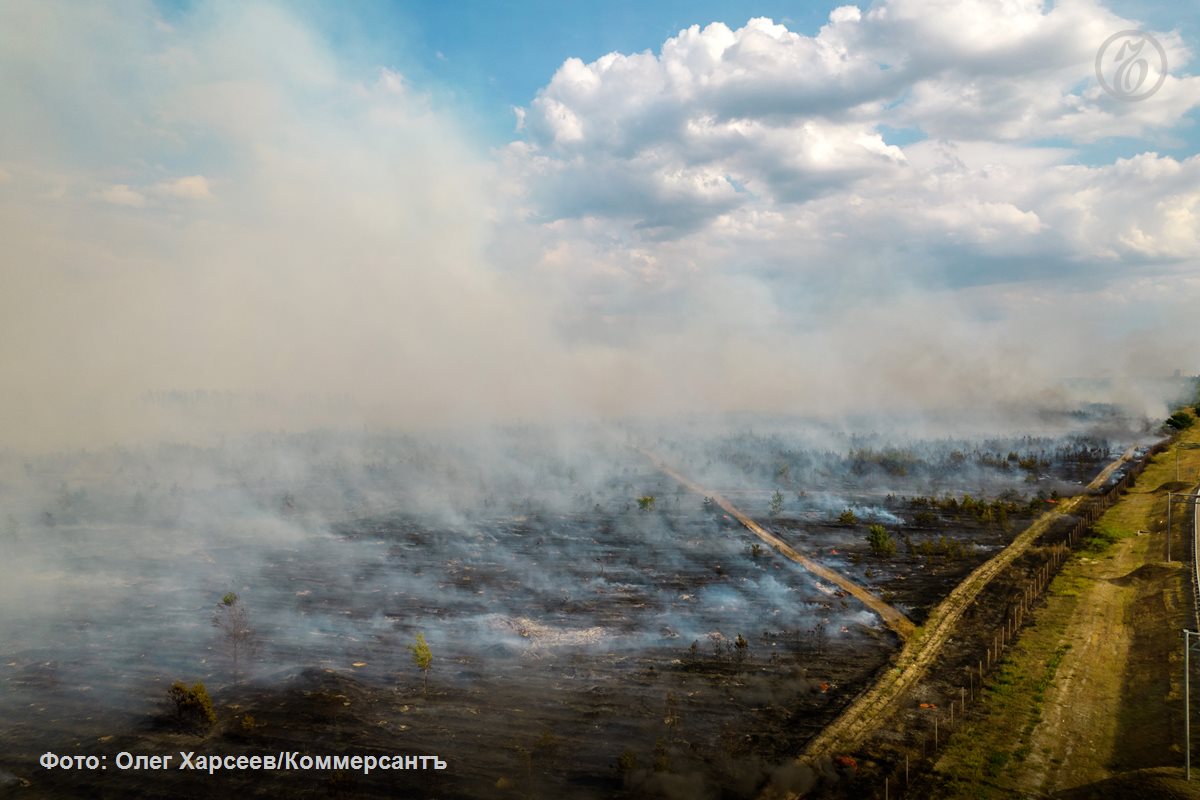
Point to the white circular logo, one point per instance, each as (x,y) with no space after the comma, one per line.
(1128,69)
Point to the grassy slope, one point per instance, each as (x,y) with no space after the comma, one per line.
(1092,686)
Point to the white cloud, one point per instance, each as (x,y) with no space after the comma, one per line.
(122,195)
(728,222)
(844,14)
(191,187)
(769,147)
(391,81)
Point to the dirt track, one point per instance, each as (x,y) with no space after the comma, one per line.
(892,617)
(871,709)
(1075,742)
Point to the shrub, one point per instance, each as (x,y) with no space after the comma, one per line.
(1179,421)
(882,543)
(741,648)
(193,706)
(847,517)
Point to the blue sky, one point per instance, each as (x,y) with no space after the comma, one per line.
(503,53)
(494,55)
(484,58)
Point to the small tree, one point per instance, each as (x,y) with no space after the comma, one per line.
(741,648)
(848,517)
(193,707)
(233,620)
(777,503)
(1180,420)
(820,636)
(671,715)
(882,543)
(423,658)
(646,502)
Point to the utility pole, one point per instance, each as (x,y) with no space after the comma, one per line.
(1187,702)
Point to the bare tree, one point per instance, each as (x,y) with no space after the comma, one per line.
(233,620)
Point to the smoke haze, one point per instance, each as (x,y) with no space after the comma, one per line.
(216,220)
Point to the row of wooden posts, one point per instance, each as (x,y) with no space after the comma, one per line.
(998,641)
(1194,539)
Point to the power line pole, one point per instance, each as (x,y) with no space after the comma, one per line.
(1187,703)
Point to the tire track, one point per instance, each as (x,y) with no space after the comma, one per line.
(867,714)
(891,616)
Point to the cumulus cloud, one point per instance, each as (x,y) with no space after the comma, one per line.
(747,218)
(192,187)
(777,151)
(122,195)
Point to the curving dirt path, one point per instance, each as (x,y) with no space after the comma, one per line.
(870,710)
(1099,481)
(868,713)
(892,617)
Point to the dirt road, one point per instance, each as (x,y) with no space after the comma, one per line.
(892,617)
(1089,703)
(1073,745)
(868,713)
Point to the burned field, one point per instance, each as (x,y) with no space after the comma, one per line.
(595,629)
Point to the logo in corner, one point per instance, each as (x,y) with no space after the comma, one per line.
(1131,65)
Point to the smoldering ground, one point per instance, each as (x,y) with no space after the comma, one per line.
(273,324)
(524,557)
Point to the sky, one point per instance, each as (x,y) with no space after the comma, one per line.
(488,212)
(495,57)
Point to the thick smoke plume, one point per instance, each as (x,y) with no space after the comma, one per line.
(214,221)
